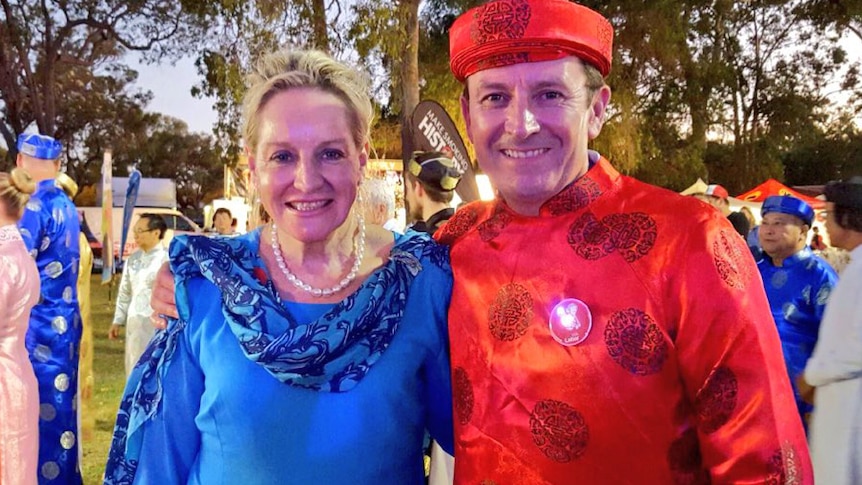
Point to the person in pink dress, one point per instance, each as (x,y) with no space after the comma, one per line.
(19,291)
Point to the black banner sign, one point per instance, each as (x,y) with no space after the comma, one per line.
(433,130)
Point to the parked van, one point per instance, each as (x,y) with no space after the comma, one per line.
(91,224)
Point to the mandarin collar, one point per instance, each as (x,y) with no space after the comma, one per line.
(47,184)
(794,259)
(600,178)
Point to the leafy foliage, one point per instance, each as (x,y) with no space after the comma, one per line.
(733,92)
(50,52)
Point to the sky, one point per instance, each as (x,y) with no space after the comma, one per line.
(171,87)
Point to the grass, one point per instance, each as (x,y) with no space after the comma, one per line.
(109,377)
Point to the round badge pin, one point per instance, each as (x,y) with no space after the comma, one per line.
(570,322)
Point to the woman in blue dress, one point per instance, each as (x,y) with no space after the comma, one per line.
(312,350)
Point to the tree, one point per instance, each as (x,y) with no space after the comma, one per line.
(436,80)
(241,33)
(189,159)
(46,46)
(160,147)
(693,76)
(835,154)
(844,15)
(100,112)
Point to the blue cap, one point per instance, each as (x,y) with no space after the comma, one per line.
(786,204)
(39,146)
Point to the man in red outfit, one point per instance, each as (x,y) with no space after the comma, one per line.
(603,331)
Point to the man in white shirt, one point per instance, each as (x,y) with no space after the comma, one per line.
(133,300)
(835,367)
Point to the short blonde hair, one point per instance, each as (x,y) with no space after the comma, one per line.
(15,189)
(69,186)
(296,68)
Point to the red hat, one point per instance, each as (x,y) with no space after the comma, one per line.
(506,32)
(716,190)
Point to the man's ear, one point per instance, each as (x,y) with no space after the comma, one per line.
(598,109)
(19,161)
(420,189)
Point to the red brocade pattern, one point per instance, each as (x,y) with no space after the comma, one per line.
(492,228)
(731,260)
(681,379)
(462,391)
(457,225)
(501,20)
(559,430)
(635,342)
(511,312)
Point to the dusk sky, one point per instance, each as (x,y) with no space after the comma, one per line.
(171,87)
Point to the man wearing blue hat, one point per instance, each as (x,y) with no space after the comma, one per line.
(50,229)
(797,282)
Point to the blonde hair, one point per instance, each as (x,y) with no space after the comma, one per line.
(69,186)
(15,189)
(296,68)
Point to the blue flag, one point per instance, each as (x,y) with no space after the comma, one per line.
(128,208)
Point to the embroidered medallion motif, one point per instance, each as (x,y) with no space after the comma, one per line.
(458,225)
(501,20)
(511,312)
(498,221)
(686,461)
(631,235)
(729,259)
(559,430)
(635,342)
(574,197)
(717,400)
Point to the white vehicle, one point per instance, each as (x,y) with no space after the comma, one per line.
(91,218)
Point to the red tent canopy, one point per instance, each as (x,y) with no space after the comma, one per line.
(774,187)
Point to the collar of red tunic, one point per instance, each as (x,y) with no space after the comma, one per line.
(491,218)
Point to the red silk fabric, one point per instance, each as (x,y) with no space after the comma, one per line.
(505,32)
(681,379)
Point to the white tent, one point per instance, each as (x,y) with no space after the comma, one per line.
(698,187)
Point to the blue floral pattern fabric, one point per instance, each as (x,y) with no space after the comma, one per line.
(330,354)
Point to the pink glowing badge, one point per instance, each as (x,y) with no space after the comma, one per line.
(570,322)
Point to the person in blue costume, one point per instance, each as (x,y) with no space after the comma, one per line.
(797,281)
(312,350)
(50,230)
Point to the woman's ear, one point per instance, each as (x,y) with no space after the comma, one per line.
(363,156)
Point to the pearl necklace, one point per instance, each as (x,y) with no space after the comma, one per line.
(358,248)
